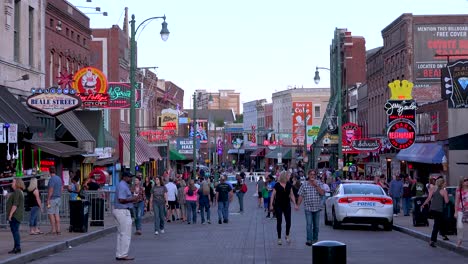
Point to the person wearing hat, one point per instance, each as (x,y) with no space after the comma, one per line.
(123,203)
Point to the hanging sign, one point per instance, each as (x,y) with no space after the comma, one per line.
(366,144)
(53,101)
(455,84)
(91,86)
(119,95)
(401,109)
(401,134)
(350,132)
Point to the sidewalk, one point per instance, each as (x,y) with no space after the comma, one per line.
(405,224)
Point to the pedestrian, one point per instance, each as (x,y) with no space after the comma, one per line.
(204,201)
(241,189)
(418,189)
(296,185)
(172,200)
(139,205)
(311,192)
(15,208)
(54,195)
(123,204)
(281,197)
(182,202)
(158,203)
(33,200)
(396,191)
(407,186)
(147,185)
(270,187)
(383,183)
(224,196)
(438,197)
(74,188)
(260,186)
(191,199)
(461,208)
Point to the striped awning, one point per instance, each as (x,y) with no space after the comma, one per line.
(143,152)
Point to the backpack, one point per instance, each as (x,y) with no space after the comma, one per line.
(190,191)
(243,188)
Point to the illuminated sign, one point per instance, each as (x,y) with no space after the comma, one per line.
(170,119)
(185,145)
(401,134)
(350,132)
(201,131)
(366,144)
(159,135)
(400,109)
(455,84)
(91,85)
(401,90)
(119,95)
(53,103)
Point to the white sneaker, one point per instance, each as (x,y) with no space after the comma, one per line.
(395,215)
(162,231)
(156,232)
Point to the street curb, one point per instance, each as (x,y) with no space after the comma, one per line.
(441,243)
(59,246)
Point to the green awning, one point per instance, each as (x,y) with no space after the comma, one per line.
(287,153)
(175,155)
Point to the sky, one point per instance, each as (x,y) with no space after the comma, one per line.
(256,47)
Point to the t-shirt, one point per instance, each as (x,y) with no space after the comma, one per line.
(158,194)
(56,184)
(282,196)
(93,186)
(122,192)
(148,187)
(463,200)
(190,197)
(17,199)
(171,191)
(260,185)
(223,190)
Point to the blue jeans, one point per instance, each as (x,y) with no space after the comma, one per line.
(312,225)
(139,210)
(396,205)
(223,210)
(159,218)
(406,205)
(240,196)
(204,207)
(191,212)
(14,226)
(34,215)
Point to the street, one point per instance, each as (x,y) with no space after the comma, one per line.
(251,238)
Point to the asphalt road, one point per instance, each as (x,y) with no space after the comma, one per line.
(251,238)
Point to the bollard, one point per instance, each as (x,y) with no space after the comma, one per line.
(329,252)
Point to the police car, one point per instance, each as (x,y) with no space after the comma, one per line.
(359,202)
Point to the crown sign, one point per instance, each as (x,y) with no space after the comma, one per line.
(401,90)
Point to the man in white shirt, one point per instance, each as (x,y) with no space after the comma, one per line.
(171,198)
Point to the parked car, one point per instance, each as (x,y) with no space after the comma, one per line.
(359,202)
(231,180)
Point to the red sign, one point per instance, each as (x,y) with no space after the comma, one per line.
(91,85)
(160,135)
(350,132)
(298,119)
(46,164)
(401,134)
(94,100)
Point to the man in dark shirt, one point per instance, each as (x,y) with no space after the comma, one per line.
(223,197)
(93,185)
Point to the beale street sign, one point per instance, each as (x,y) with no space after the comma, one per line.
(53,103)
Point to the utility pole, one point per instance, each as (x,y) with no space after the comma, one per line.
(194,127)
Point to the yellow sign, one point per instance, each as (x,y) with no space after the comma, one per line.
(401,90)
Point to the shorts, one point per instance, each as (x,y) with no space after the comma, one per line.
(172,204)
(54,206)
(259,195)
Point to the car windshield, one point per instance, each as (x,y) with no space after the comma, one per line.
(362,189)
(231,178)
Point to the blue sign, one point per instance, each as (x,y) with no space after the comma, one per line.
(185,145)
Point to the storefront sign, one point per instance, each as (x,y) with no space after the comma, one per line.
(299,117)
(53,103)
(104,153)
(366,144)
(185,145)
(158,135)
(91,85)
(119,95)
(455,83)
(350,132)
(401,133)
(425,138)
(13,133)
(400,109)
(169,119)
(46,164)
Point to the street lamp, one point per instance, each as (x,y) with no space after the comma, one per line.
(337,87)
(210,102)
(164,35)
(194,137)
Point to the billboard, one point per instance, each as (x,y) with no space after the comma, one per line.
(298,117)
(455,84)
(201,130)
(436,39)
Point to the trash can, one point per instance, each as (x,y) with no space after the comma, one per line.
(329,252)
(97,212)
(79,214)
(420,215)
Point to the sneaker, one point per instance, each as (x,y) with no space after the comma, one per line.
(162,231)
(446,238)
(288,239)
(309,243)
(203,223)
(156,232)
(209,222)
(225,221)
(188,223)
(280,242)
(432,244)
(219,221)
(395,215)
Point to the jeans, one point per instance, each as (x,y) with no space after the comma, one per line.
(240,196)
(223,210)
(14,226)
(205,207)
(191,212)
(406,205)
(279,219)
(159,219)
(312,225)
(438,225)
(139,211)
(34,215)
(396,205)
(124,231)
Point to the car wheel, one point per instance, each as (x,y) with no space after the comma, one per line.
(336,223)
(328,223)
(388,226)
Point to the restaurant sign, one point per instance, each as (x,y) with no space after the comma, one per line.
(91,86)
(119,95)
(401,134)
(366,144)
(158,135)
(53,103)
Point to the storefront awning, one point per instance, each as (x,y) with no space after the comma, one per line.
(260,152)
(236,151)
(175,155)
(143,151)
(430,153)
(286,153)
(74,125)
(13,112)
(57,149)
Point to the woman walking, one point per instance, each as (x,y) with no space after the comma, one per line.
(158,201)
(461,208)
(182,202)
(15,209)
(34,202)
(281,199)
(148,186)
(438,197)
(204,201)
(139,205)
(191,200)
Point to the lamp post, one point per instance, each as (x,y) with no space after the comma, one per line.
(164,35)
(194,136)
(337,86)
(210,101)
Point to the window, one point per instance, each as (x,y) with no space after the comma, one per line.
(51,23)
(51,69)
(31,34)
(16,37)
(67,32)
(72,34)
(84,42)
(316,111)
(78,38)
(362,189)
